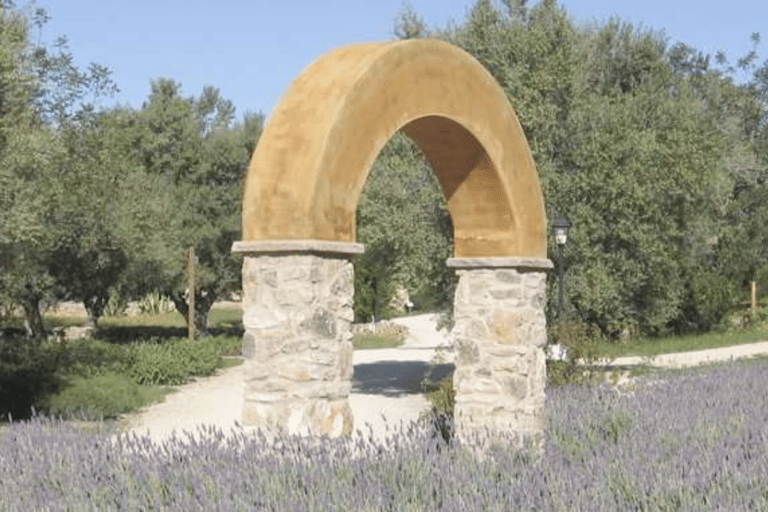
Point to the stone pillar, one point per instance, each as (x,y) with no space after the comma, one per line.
(297,312)
(498,335)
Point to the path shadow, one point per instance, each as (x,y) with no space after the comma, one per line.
(396,378)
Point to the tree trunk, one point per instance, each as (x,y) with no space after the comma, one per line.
(95,307)
(33,320)
(376,301)
(204,299)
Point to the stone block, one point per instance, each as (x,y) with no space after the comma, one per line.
(507,276)
(477,329)
(504,354)
(321,323)
(295,372)
(346,358)
(467,352)
(506,294)
(515,386)
(269,278)
(292,346)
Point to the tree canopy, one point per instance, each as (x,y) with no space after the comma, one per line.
(656,152)
(101,201)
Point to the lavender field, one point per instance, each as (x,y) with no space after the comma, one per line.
(691,440)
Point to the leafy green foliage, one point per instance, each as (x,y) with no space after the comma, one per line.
(374,289)
(100,397)
(128,375)
(192,151)
(104,200)
(409,24)
(582,343)
(23,140)
(41,122)
(403,220)
(28,373)
(442,396)
(657,155)
(154,304)
(92,357)
(96,379)
(647,148)
(172,362)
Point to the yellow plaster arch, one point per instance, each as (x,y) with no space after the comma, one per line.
(314,156)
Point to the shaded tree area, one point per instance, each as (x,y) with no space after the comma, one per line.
(403,220)
(102,202)
(652,149)
(195,153)
(43,98)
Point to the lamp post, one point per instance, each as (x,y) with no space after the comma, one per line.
(560,226)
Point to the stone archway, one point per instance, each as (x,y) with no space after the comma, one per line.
(299,206)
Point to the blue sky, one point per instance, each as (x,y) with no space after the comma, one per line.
(252,49)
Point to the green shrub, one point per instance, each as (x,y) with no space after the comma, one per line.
(227,345)
(92,357)
(583,342)
(172,362)
(374,290)
(709,299)
(99,397)
(28,372)
(155,304)
(94,379)
(116,305)
(442,396)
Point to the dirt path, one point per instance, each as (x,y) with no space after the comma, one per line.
(386,389)
(697,357)
(386,385)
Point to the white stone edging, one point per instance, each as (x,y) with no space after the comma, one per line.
(501,262)
(253,247)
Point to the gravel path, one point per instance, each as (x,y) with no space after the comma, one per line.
(386,385)
(385,389)
(697,357)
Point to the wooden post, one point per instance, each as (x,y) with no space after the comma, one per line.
(191,288)
(754,297)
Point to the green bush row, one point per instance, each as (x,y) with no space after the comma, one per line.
(102,396)
(28,373)
(172,363)
(93,379)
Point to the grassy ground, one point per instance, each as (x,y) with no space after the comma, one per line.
(134,361)
(649,347)
(218,318)
(129,363)
(372,341)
